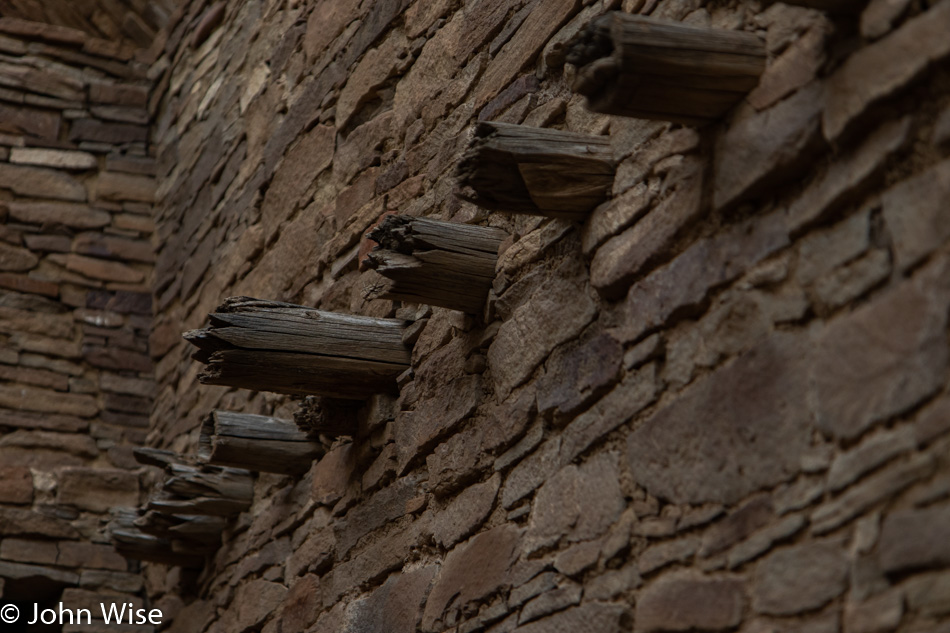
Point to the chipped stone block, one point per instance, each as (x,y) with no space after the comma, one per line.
(709,428)
(800,578)
(759,150)
(883,68)
(471,571)
(845,177)
(683,602)
(880,359)
(917,215)
(98,489)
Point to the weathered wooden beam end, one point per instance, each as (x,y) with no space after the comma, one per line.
(643,67)
(258,443)
(537,171)
(433,262)
(134,543)
(286,348)
(318,416)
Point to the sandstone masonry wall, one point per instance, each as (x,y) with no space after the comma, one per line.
(720,403)
(76,382)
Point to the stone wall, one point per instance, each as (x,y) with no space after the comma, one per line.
(76,382)
(720,403)
(135,22)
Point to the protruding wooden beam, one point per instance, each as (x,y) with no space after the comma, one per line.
(203,490)
(539,171)
(257,442)
(438,263)
(327,416)
(159,457)
(286,348)
(132,542)
(647,68)
(202,530)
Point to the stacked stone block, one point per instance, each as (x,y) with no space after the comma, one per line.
(719,403)
(76,382)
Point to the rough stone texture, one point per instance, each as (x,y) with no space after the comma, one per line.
(916,216)
(465,513)
(621,258)
(578,373)
(849,173)
(861,355)
(396,606)
(800,578)
(760,149)
(578,503)
(588,618)
(687,602)
(910,539)
(525,340)
(471,571)
(717,425)
(730,317)
(98,490)
(880,69)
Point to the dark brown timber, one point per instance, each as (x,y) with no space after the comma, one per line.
(538,171)
(258,443)
(133,542)
(647,68)
(327,416)
(433,262)
(286,348)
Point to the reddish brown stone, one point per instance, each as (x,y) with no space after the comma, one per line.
(97,490)
(31,420)
(18,522)
(46,401)
(881,69)
(800,578)
(396,606)
(43,31)
(75,215)
(381,508)
(333,474)
(750,410)
(16,484)
(124,187)
(472,571)
(31,121)
(16,259)
(326,22)
(579,503)
(118,94)
(28,551)
(760,150)
(22,283)
(212,19)
(914,539)
(301,604)
(917,214)
(38,182)
(100,269)
(522,48)
(90,556)
(109,358)
(685,602)
(881,359)
(686,281)
(112,133)
(556,312)
(594,617)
